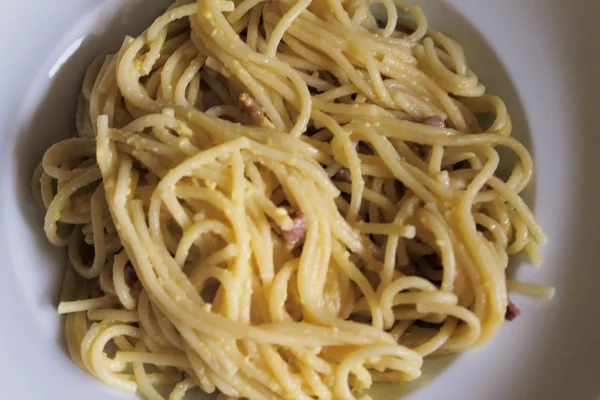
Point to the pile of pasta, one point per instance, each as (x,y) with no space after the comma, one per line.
(283,199)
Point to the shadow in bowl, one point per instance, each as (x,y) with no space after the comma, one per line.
(575,307)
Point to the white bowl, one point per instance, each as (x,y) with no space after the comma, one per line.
(542,56)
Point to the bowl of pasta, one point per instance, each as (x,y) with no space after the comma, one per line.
(313,199)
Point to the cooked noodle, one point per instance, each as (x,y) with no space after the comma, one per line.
(283,200)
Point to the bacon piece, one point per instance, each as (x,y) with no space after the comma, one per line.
(485,188)
(512,311)
(343,175)
(295,236)
(253,108)
(435,121)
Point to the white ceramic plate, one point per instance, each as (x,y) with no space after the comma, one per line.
(542,56)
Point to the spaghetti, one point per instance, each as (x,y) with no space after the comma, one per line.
(283,199)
